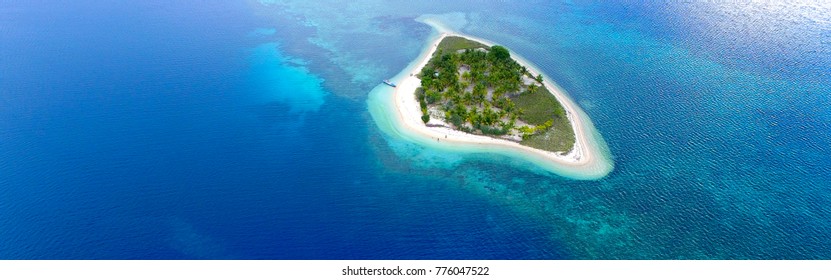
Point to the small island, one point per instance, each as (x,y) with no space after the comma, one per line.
(480,89)
(467,95)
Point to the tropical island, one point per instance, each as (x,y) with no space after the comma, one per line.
(480,89)
(467,95)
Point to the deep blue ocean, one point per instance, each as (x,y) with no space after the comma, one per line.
(240,130)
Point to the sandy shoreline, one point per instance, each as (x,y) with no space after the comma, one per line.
(585,161)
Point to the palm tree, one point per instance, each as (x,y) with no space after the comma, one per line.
(532,88)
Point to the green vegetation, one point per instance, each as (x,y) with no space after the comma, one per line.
(538,105)
(500,52)
(481,90)
(453,43)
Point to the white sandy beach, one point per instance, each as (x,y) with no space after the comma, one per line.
(585,161)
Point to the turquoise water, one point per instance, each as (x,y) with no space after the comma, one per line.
(718,127)
(241,130)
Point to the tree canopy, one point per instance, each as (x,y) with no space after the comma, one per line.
(481,90)
(500,52)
